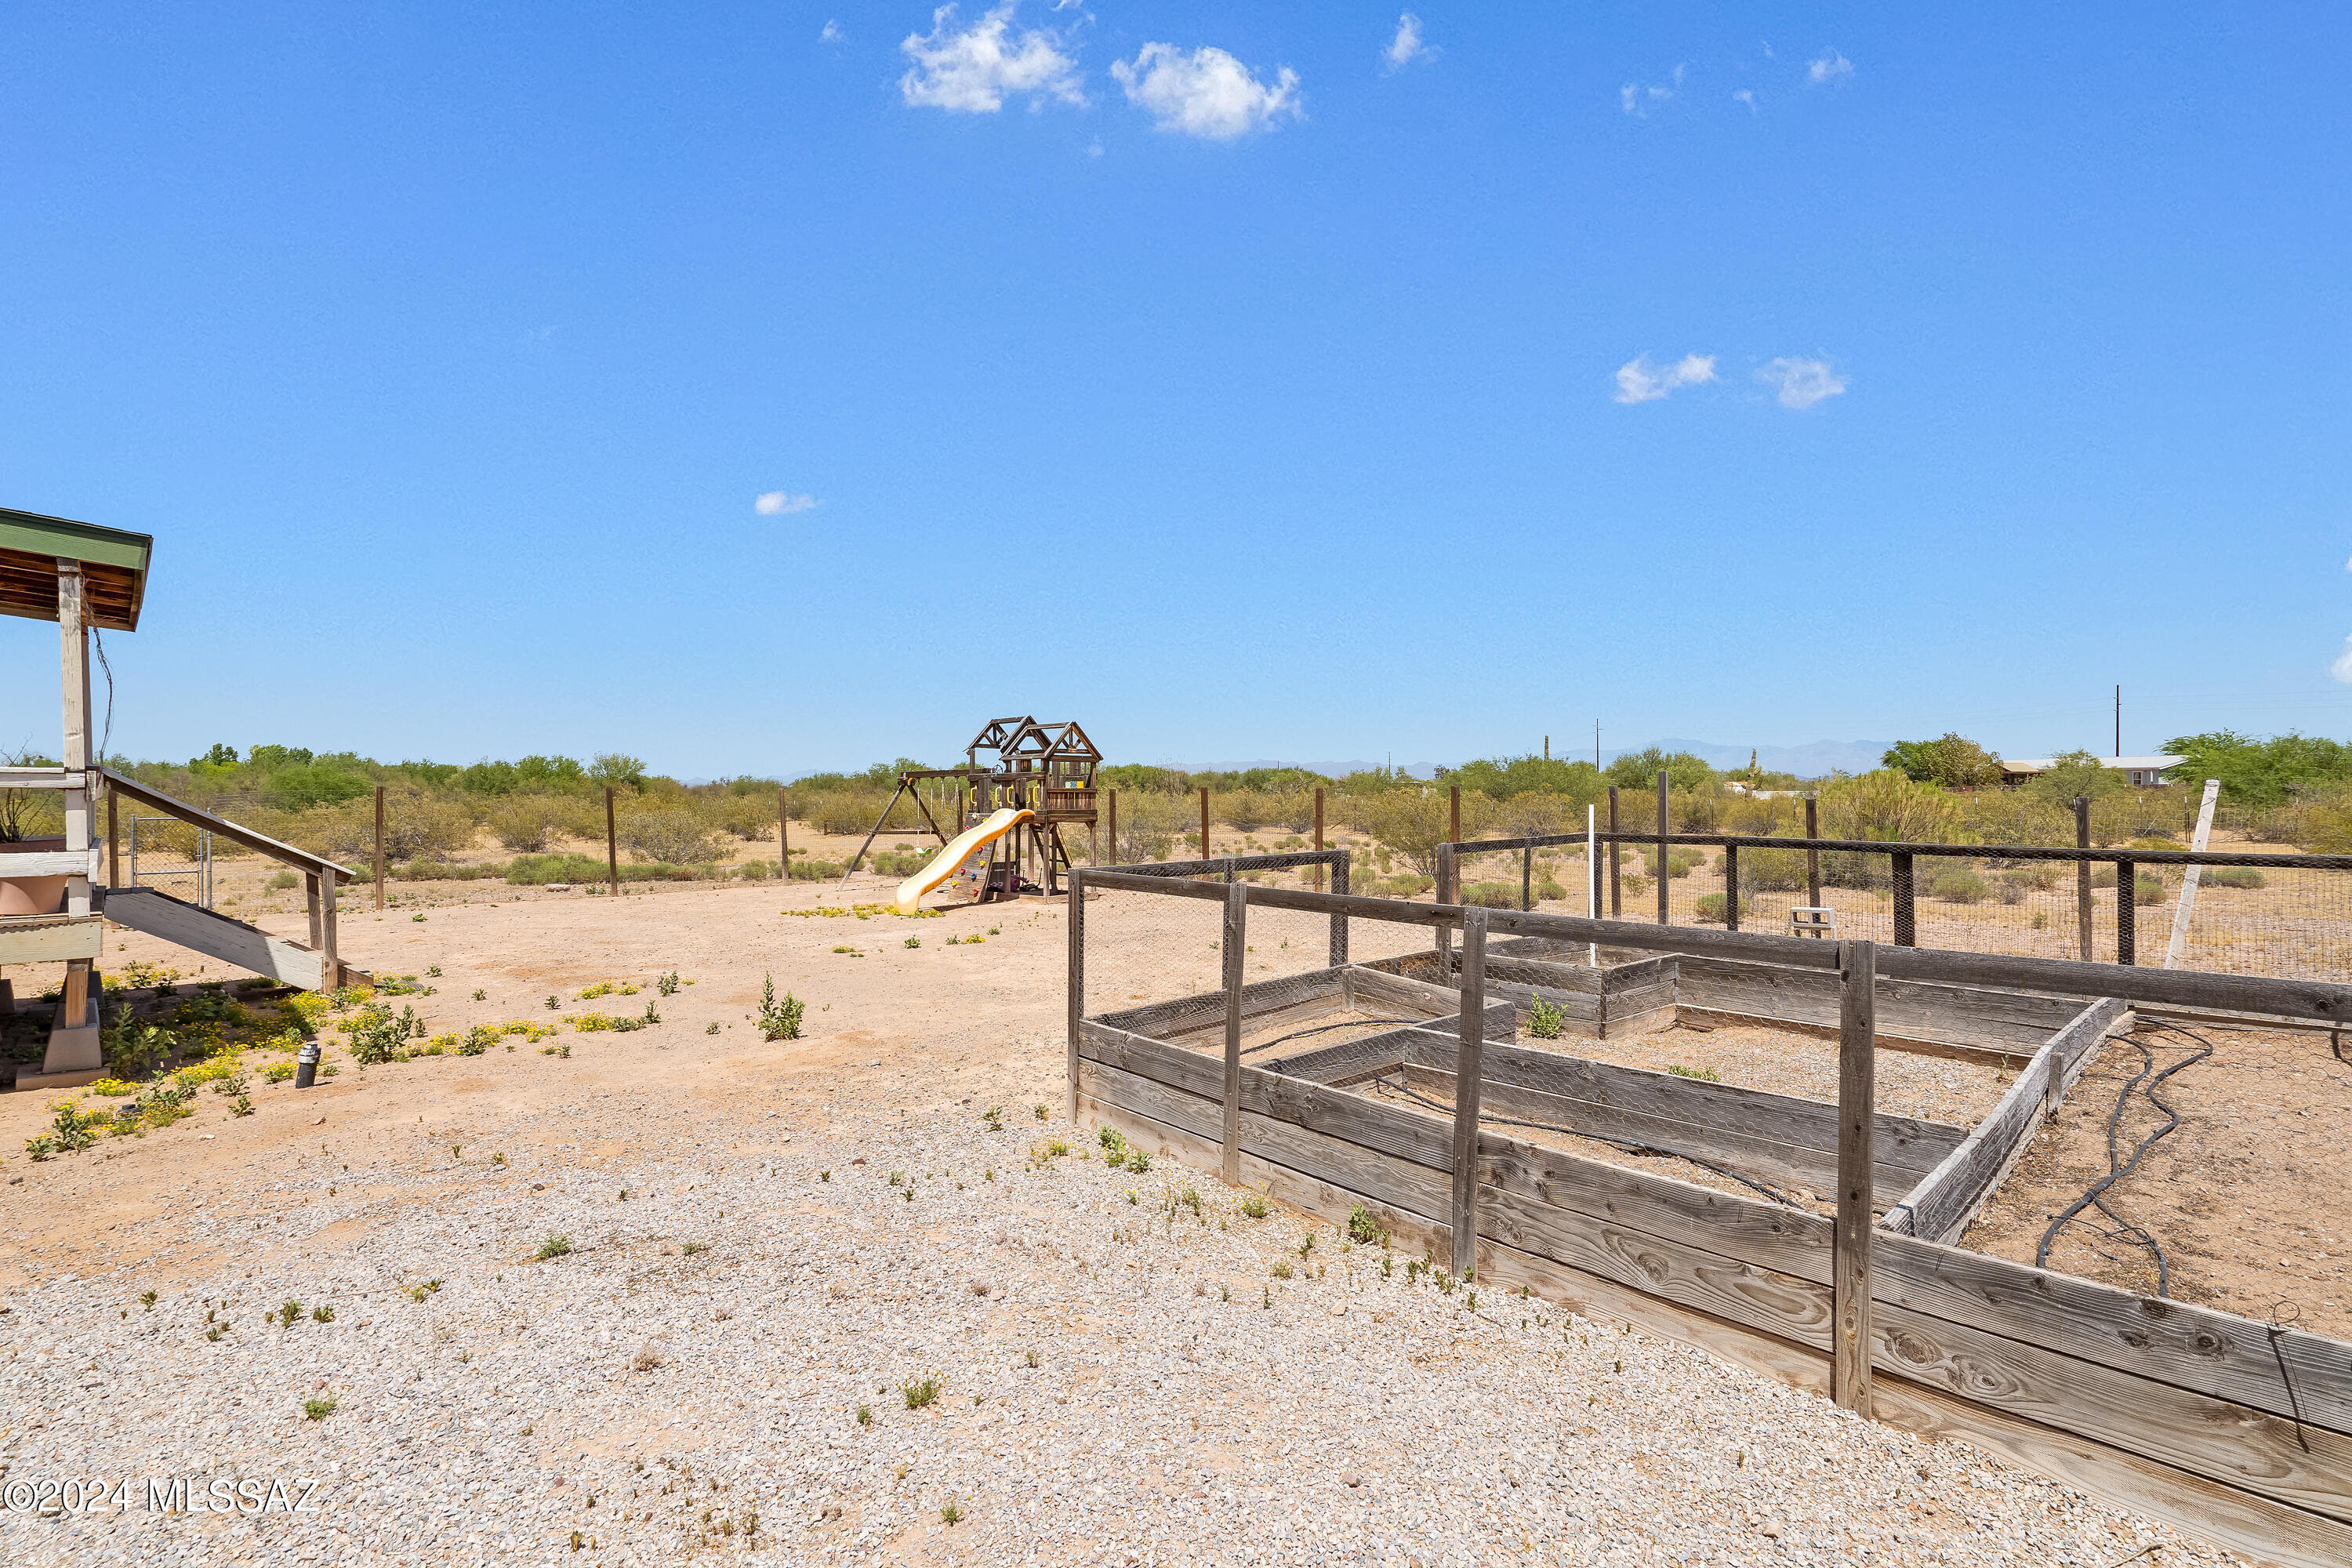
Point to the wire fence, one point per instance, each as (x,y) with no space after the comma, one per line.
(2286,916)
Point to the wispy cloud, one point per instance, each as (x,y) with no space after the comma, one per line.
(830,33)
(1831,67)
(973,69)
(784,503)
(1207,93)
(1639,381)
(1638,100)
(1407,45)
(1744,95)
(2342,668)
(1801,383)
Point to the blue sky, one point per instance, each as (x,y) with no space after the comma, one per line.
(1242,381)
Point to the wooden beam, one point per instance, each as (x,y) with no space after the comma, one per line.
(612,846)
(1664,827)
(1236,935)
(1075,1011)
(1857,1121)
(2188,879)
(1469,1080)
(379,846)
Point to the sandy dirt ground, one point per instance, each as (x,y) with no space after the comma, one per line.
(722,1363)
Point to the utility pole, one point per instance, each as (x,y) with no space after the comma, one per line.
(2119,720)
(1547,748)
(1596,743)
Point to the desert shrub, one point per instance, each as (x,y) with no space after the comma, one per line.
(1854,868)
(1491,895)
(524,823)
(1957,885)
(1633,882)
(2231,877)
(283,881)
(1293,810)
(1415,822)
(896,863)
(132,1050)
(779,1020)
(853,812)
(2147,889)
(815,871)
(537,871)
(443,871)
(669,836)
(414,823)
(1711,907)
(751,817)
(1548,889)
(1773,870)
(1534,812)
(2041,876)
(1679,862)
(1887,806)
(1546,1020)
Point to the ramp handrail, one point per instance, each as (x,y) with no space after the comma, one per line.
(261,844)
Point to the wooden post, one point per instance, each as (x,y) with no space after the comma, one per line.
(783,838)
(1527,876)
(1455,819)
(1077,997)
(1469,1080)
(2188,879)
(318,918)
(2083,878)
(379,846)
(1204,823)
(2126,913)
(1339,922)
(1235,935)
(1445,874)
(1906,932)
(113,845)
(1114,827)
(1731,886)
(1662,867)
(1813,856)
(1616,890)
(331,965)
(73,644)
(1318,835)
(612,846)
(1857,1121)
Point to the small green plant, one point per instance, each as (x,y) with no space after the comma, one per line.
(241,1105)
(2231,877)
(691,1248)
(667,985)
(318,1406)
(1364,1226)
(1138,1161)
(433,971)
(481,995)
(865,1416)
(1255,1206)
(147,1298)
(713,1028)
(1042,1112)
(779,1020)
(553,1002)
(1704,1075)
(994,1117)
(322,1314)
(1029,1359)
(921,1392)
(1282,1269)
(554,1246)
(420,1292)
(289,1313)
(1545,1021)
(951,1513)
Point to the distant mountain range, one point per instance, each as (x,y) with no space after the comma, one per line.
(1815,759)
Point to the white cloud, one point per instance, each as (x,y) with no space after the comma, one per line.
(1638,381)
(1743,95)
(1638,100)
(1801,383)
(2342,668)
(1831,67)
(830,34)
(973,69)
(1406,46)
(1207,93)
(783,504)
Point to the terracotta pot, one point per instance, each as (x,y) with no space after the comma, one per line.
(31,895)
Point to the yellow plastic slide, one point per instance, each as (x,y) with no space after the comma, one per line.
(952,856)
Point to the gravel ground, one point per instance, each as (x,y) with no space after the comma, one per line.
(1184,1405)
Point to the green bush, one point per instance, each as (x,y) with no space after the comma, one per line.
(1679,862)
(815,871)
(537,871)
(2147,889)
(667,837)
(1957,885)
(1546,1020)
(1491,895)
(1773,870)
(1711,907)
(2041,876)
(443,871)
(2231,877)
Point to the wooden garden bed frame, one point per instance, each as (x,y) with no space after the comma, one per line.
(2238,1431)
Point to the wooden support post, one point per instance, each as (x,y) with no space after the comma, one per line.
(1114,827)
(1731,886)
(2083,878)
(1662,867)
(1318,835)
(1204,824)
(1813,856)
(73,644)
(113,845)
(1857,1121)
(612,847)
(2188,879)
(1527,876)
(1078,998)
(1905,931)
(1338,920)
(2126,913)
(1469,1080)
(783,838)
(1235,939)
(379,846)
(1454,816)
(1445,895)
(73,1003)
(330,963)
(311,902)
(1616,891)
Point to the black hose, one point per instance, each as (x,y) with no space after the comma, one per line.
(2127,1229)
(1628,1144)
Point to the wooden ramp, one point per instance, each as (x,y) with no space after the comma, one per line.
(217,936)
